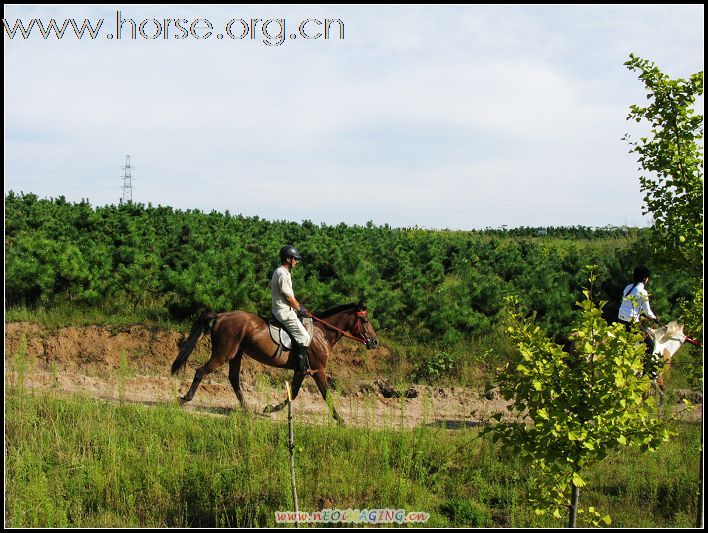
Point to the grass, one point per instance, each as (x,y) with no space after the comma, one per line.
(469,363)
(65,315)
(81,462)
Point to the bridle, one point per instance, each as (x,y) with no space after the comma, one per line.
(359,330)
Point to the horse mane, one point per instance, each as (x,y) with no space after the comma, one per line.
(667,332)
(672,328)
(339,308)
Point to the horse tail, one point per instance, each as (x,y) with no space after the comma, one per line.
(186,346)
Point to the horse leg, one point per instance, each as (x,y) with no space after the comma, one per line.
(298,377)
(660,390)
(199,375)
(234,378)
(321,381)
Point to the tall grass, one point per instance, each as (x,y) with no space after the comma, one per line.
(81,462)
(85,463)
(114,313)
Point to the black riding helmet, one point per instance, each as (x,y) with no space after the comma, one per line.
(289,251)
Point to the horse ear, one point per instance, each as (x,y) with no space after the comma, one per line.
(361,306)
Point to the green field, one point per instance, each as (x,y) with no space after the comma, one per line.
(81,462)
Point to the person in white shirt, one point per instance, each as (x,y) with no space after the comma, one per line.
(635,299)
(287,309)
(635,303)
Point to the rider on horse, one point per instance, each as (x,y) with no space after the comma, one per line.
(635,303)
(286,309)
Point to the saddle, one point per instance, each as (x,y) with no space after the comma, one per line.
(282,337)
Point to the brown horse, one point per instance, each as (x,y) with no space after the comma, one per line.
(237,333)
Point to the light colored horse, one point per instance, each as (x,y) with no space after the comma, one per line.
(667,340)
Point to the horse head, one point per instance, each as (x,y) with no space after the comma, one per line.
(668,339)
(362,328)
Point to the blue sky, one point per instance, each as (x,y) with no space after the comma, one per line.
(440,117)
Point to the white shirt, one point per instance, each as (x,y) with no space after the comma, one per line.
(281,285)
(635,303)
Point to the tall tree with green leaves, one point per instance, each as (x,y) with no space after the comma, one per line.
(673,158)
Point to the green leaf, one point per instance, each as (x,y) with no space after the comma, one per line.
(577,480)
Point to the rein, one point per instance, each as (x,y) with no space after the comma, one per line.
(694,342)
(358,339)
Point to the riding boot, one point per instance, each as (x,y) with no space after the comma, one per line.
(302,363)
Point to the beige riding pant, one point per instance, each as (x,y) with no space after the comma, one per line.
(294,326)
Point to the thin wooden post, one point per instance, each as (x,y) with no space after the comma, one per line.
(291,446)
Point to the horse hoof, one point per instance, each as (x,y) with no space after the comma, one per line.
(183,400)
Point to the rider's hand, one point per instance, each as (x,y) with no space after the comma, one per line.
(302,312)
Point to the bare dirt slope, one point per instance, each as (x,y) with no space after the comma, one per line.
(132,363)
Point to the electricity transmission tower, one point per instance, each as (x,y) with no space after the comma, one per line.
(127,181)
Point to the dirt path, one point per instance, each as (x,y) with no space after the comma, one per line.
(452,408)
(131,363)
